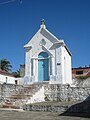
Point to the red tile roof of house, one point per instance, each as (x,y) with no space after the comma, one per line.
(6,73)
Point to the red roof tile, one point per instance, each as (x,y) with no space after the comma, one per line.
(5,73)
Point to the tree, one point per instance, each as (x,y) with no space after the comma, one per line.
(16,74)
(5,65)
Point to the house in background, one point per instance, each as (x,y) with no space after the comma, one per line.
(82,71)
(7,78)
(48,59)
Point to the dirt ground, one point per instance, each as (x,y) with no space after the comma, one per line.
(30,115)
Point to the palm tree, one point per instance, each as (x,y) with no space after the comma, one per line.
(5,65)
(16,74)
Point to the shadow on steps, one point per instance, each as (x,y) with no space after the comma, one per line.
(79,110)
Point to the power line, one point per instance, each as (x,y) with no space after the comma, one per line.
(10,1)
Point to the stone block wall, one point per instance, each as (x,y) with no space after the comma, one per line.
(52,92)
(7,90)
(66,93)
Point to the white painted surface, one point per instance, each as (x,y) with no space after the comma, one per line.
(7,79)
(38,96)
(20,81)
(66,67)
(59,64)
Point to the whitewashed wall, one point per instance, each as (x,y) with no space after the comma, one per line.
(66,66)
(61,66)
(7,79)
(31,72)
(58,63)
(20,81)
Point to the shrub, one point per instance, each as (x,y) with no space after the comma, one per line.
(82,77)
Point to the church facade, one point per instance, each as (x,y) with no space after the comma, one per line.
(47,59)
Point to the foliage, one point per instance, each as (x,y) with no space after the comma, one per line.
(5,65)
(80,80)
(16,74)
(82,77)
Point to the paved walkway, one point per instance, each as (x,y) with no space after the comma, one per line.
(30,115)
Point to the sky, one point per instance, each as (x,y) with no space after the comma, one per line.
(66,19)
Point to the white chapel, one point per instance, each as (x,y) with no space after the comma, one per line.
(48,59)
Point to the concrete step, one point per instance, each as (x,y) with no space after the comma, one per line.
(82,107)
(23,94)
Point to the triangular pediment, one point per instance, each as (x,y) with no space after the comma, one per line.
(44,34)
(49,39)
(49,35)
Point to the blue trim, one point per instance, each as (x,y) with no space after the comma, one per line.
(43,55)
(43,67)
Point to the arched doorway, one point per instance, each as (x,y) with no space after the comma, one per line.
(43,66)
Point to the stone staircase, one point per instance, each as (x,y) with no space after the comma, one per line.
(61,107)
(24,95)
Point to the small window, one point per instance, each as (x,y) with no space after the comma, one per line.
(79,72)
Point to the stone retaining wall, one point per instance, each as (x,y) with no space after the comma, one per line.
(45,108)
(82,107)
(66,93)
(52,92)
(7,90)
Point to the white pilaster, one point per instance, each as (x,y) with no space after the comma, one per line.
(33,70)
(53,66)
(52,60)
(33,67)
(27,66)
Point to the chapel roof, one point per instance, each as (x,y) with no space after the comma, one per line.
(57,41)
